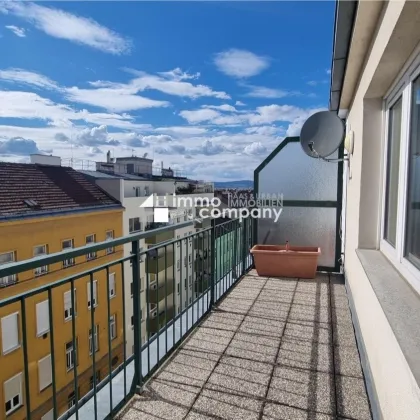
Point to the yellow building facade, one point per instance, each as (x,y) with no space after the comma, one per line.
(24,238)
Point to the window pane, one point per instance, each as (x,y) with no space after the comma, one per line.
(392,172)
(412,240)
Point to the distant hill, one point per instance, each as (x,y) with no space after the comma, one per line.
(234,184)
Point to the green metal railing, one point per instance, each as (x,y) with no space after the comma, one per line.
(191,289)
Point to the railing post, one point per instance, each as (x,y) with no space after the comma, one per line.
(136,313)
(213,255)
(244,245)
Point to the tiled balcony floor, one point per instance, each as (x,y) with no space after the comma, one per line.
(272,349)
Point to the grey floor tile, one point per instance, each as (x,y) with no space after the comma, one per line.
(150,408)
(223,321)
(227,406)
(268,328)
(341,315)
(308,390)
(352,400)
(347,361)
(344,335)
(249,350)
(306,355)
(172,391)
(198,343)
(192,415)
(283,412)
(309,331)
(271,342)
(269,313)
(339,301)
(311,299)
(312,313)
(241,379)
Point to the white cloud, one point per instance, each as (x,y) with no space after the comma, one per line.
(199,115)
(29,105)
(239,103)
(20,32)
(178,74)
(255,148)
(18,146)
(265,130)
(117,100)
(317,82)
(240,63)
(20,76)
(181,131)
(224,107)
(136,140)
(268,93)
(64,25)
(96,136)
(328,71)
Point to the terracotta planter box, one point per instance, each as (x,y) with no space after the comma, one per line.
(286,260)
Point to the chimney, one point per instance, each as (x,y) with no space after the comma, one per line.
(45,160)
(108,156)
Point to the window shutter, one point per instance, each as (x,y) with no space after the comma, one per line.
(13,387)
(42,318)
(95,292)
(44,372)
(10,332)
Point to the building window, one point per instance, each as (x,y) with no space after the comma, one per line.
(177,287)
(138,191)
(13,393)
(111,281)
(39,251)
(131,289)
(71,400)
(44,372)
(401,206)
(95,293)
(10,332)
(178,265)
(66,245)
(412,229)
(90,239)
(7,258)
(132,322)
(68,306)
(42,318)
(113,327)
(134,225)
(178,243)
(97,380)
(109,236)
(141,257)
(70,355)
(94,341)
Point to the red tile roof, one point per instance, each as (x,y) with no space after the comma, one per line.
(53,188)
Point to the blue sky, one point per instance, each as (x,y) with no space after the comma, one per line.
(209,88)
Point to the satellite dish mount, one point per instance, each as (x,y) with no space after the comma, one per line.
(321,135)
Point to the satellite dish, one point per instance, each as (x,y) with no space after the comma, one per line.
(321,135)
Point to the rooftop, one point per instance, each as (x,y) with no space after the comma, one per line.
(31,188)
(271,349)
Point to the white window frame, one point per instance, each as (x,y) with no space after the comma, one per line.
(73,311)
(95,294)
(112,285)
(69,262)
(40,271)
(109,236)
(71,355)
(113,327)
(20,403)
(90,255)
(2,325)
(12,279)
(402,88)
(94,341)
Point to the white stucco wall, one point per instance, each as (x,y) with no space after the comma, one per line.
(397,392)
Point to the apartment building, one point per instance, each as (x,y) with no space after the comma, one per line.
(375,88)
(171,279)
(46,208)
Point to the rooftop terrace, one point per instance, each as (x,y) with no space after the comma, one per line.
(271,349)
